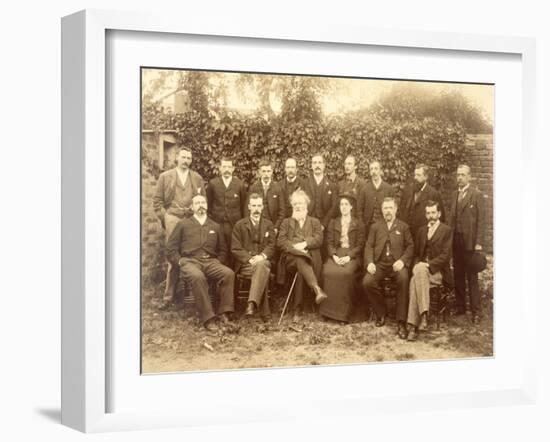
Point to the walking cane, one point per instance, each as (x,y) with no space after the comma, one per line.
(288,298)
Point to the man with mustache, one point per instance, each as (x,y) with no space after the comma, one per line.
(300,240)
(376,190)
(253,245)
(412,209)
(431,267)
(353,185)
(467,219)
(197,247)
(290,184)
(226,199)
(323,195)
(388,253)
(172,202)
(273,198)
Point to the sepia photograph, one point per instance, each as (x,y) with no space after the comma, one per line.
(302,220)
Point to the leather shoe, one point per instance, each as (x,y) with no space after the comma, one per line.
(211,326)
(165,306)
(402,331)
(423,322)
(412,335)
(320,295)
(380,321)
(224,317)
(250,309)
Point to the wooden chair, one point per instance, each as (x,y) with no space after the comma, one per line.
(439,305)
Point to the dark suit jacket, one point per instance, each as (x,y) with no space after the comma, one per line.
(402,246)
(241,241)
(327,207)
(356,235)
(414,212)
(166,189)
(440,250)
(226,204)
(274,202)
(287,189)
(470,213)
(312,234)
(357,190)
(189,239)
(385,190)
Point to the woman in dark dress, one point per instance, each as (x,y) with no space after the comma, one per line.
(345,244)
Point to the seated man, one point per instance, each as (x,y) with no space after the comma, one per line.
(432,256)
(197,245)
(388,252)
(253,245)
(300,240)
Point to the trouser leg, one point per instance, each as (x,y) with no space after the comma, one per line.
(459,272)
(172,272)
(192,271)
(259,281)
(225,280)
(473,291)
(375,294)
(306,270)
(401,279)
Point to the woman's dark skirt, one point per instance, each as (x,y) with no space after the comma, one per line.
(339,283)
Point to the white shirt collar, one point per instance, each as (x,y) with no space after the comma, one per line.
(434,225)
(377,184)
(227,181)
(318,180)
(465,188)
(201,219)
(291,180)
(424,186)
(264,184)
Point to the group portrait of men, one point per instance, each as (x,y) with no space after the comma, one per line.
(310,231)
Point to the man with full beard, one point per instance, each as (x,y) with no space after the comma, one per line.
(412,209)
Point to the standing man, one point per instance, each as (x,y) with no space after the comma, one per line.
(273,198)
(353,185)
(431,267)
(323,195)
(172,203)
(412,209)
(300,241)
(467,220)
(226,199)
(253,246)
(376,190)
(290,184)
(388,253)
(198,248)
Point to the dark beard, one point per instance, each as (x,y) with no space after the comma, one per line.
(418,186)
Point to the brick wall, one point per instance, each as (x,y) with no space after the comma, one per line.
(152,235)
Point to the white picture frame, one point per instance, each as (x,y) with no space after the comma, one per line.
(85,218)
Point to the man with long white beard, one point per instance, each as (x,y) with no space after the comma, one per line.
(197,246)
(300,240)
